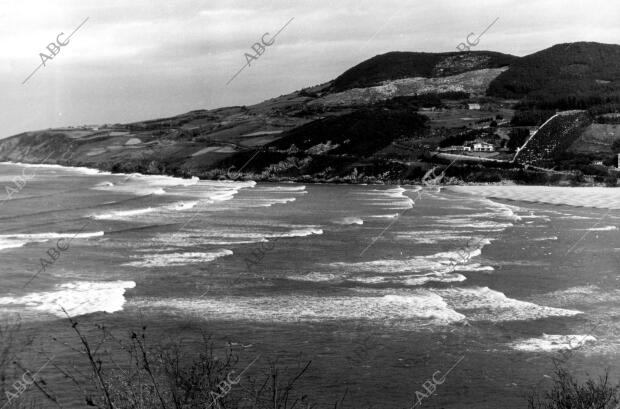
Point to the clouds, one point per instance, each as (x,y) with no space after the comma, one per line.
(142,59)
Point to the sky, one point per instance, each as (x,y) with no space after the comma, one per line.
(136,60)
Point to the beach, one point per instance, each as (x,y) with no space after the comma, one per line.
(378,286)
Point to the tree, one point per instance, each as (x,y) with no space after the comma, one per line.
(517,136)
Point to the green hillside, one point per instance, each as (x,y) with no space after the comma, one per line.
(565,76)
(395,65)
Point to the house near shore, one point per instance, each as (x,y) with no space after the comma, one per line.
(481,146)
(475,107)
(473,146)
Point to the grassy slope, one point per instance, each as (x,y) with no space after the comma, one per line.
(396,65)
(578,69)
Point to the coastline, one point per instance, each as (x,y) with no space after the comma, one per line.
(588,195)
(308,179)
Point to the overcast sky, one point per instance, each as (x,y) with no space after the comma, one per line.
(144,59)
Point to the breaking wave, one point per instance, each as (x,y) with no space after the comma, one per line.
(77,298)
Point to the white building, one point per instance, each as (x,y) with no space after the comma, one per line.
(480,146)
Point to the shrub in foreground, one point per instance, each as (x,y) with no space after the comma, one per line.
(567,393)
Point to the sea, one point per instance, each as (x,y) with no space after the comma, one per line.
(385,289)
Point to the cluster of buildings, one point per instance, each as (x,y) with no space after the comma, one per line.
(600,163)
(473,146)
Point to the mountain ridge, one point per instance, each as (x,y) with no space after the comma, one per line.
(482,95)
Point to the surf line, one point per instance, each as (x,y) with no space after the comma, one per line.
(567,353)
(21,181)
(55,254)
(258,254)
(427,181)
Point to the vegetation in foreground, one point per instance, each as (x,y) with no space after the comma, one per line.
(129,372)
(176,376)
(568,393)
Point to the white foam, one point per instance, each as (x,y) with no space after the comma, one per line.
(273,201)
(77,298)
(448,256)
(284,188)
(349,221)
(396,192)
(412,311)
(503,210)
(123,214)
(231,236)
(132,213)
(429,237)
(316,277)
(551,343)
(183,205)
(438,278)
(12,243)
(51,236)
(385,198)
(176,259)
(408,280)
(548,238)
(232,242)
(142,185)
(308,231)
(131,187)
(385,216)
(473,267)
(465,222)
(416,264)
(9,241)
(574,217)
(484,304)
(442,262)
(82,170)
(605,228)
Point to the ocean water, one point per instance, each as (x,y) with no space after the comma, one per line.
(379,286)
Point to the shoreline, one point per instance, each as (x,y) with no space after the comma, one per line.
(307,179)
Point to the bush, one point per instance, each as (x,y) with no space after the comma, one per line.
(174,375)
(567,393)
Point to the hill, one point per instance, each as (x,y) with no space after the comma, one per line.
(388,119)
(566,76)
(397,65)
